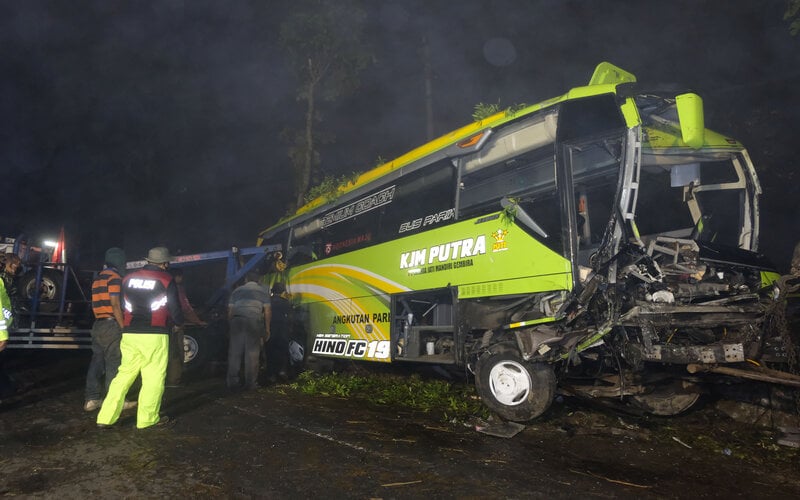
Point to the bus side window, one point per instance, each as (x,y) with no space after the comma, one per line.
(546,212)
(528,177)
(422,200)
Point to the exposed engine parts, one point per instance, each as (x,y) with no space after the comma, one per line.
(675,311)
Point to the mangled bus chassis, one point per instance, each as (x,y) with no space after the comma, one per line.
(642,331)
(603,241)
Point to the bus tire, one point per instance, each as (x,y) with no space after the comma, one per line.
(515,389)
(667,400)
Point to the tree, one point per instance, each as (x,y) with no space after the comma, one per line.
(793,16)
(324,44)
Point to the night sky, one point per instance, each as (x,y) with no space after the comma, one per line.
(145,123)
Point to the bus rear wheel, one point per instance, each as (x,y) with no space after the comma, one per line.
(515,389)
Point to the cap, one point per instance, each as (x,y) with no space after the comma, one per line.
(158,255)
(115,257)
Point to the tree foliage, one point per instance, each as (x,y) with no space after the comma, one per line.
(792,15)
(482,110)
(324,44)
(330,186)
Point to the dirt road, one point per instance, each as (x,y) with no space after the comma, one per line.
(277,443)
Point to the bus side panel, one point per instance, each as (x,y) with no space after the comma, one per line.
(480,250)
(340,329)
(347,297)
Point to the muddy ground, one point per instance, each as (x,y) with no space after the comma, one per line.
(277,443)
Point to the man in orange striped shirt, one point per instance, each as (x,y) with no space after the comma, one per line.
(107,329)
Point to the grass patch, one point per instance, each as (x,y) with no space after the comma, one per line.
(451,400)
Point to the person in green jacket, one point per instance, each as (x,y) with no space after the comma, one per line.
(7,317)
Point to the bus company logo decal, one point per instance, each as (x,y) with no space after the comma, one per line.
(499,240)
(335,345)
(339,245)
(371,202)
(446,252)
(428,220)
(345,319)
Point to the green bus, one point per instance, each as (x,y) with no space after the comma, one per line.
(600,242)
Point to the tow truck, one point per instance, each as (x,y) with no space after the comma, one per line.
(52,304)
(60,315)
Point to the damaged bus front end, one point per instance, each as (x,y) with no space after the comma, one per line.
(603,242)
(673,288)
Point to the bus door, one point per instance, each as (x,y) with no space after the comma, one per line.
(591,138)
(591,174)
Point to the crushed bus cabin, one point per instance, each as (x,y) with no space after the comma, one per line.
(603,241)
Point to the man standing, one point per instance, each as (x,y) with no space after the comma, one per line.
(795,264)
(278,346)
(150,301)
(107,329)
(7,315)
(6,318)
(11,263)
(249,315)
(176,348)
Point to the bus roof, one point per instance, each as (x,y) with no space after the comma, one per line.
(604,80)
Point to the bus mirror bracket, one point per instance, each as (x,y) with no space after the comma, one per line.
(521,215)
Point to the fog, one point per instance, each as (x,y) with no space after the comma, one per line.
(148,123)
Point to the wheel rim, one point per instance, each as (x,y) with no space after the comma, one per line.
(510,383)
(47,289)
(190,348)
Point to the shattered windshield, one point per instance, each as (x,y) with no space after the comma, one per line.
(703,197)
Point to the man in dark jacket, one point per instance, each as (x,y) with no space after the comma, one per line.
(150,301)
(277,349)
(249,315)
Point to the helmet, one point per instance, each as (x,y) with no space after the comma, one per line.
(158,255)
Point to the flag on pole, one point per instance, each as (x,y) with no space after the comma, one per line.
(59,252)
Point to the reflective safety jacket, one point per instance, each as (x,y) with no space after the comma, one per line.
(150,301)
(7,313)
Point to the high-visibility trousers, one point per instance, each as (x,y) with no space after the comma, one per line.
(145,353)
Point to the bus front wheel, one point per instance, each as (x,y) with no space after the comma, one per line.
(515,389)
